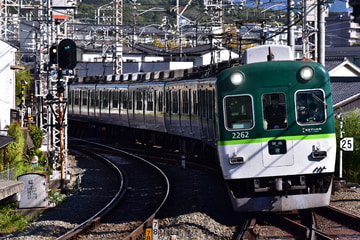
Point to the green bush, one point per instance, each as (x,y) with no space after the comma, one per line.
(351,160)
(15,149)
(10,221)
(36,135)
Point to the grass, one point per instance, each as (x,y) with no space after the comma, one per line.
(10,221)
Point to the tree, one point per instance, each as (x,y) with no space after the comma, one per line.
(25,76)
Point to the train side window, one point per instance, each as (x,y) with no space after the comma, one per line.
(239,112)
(84,96)
(185,105)
(125,100)
(195,102)
(150,101)
(92,98)
(70,97)
(310,107)
(115,98)
(105,98)
(210,103)
(97,98)
(274,111)
(160,101)
(139,100)
(175,102)
(77,98)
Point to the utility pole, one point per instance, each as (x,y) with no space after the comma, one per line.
(309,29)
(118,57)
(290,20)
(321,32)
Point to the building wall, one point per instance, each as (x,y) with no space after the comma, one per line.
(340,31)
(7,83)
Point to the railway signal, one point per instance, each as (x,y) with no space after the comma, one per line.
(53,58)
(67,54)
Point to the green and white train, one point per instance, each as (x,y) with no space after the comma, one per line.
(269,119)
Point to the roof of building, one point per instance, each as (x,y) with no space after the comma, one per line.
(5,140)
(341,67)
(344,88)
(348,51)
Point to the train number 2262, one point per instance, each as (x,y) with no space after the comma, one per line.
(240,135)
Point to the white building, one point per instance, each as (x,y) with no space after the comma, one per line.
(7,83)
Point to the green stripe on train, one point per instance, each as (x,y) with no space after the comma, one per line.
(288,138)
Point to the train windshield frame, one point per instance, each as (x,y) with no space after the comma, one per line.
(310,107)
(238,112)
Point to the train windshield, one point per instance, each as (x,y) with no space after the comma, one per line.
(239,112)
(274,111)
(310,107)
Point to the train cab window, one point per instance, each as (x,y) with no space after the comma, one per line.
(310,107)
(239,112)
(275,116)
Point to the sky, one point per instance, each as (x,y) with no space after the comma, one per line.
(339,6)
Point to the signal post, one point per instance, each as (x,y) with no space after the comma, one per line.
(64,57)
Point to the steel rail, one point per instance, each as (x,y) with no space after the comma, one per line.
(114,201)
(96,218)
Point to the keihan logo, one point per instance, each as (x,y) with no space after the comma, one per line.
(311,130)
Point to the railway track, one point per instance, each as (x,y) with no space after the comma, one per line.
(143,191)
(327,223)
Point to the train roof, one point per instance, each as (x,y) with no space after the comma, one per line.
(264,52)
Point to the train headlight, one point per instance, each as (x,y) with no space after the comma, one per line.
(237,78)
(306,73)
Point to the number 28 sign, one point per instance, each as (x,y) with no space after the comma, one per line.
(347,144)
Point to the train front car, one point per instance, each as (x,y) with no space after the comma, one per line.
(276,135)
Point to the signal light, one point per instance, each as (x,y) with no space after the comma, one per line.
(67,54)
(53,58)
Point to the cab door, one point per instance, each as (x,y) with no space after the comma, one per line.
(277,143)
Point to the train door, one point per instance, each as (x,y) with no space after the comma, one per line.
(167,109)
(172,110)
(104,108)
(207,111)
(275,121)
(149,115)
(126,105)
(114,104)
(176,110)
(159,109)
(91,102)
(77,101)
(195,120)
(84,102)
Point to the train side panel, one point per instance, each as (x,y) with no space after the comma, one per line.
(146,109)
